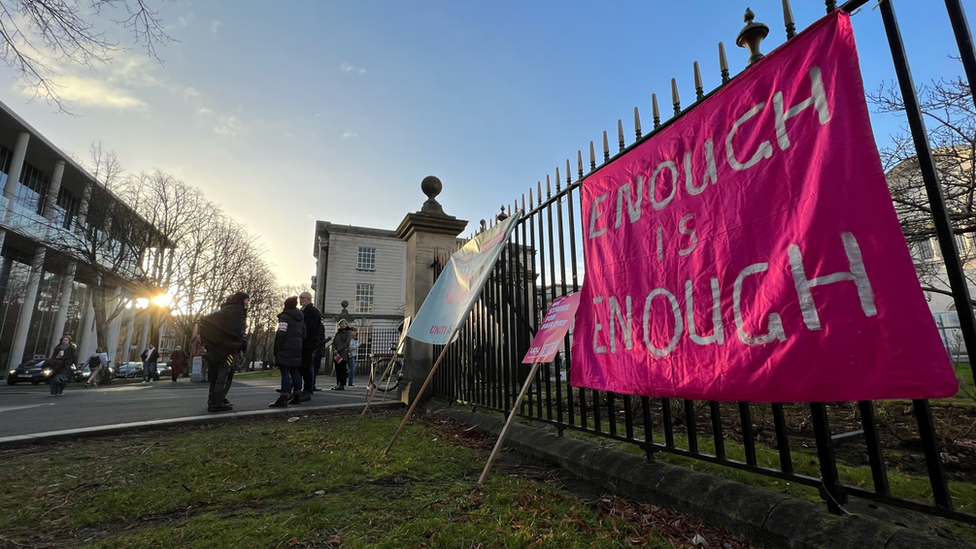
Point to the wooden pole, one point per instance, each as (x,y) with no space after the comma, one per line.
(372,393)
(511,418)
(420,393)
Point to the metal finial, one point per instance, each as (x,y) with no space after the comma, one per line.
(655,111)
(510,209)
(606,147)
(568,177)
(699,87)
(637,127)
(831,5)
(539,183)
(788,20)
(531,202)
(579,161)
(620,134)
(674,97)
(502,216)
(557,179)
(548,188)
(523,201)
(751,36)
(592,158)
(723,63)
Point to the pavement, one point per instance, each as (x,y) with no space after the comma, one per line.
(29,414)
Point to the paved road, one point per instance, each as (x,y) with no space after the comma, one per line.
(30,410)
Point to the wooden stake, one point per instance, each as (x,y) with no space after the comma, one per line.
(511,417)
(420,393)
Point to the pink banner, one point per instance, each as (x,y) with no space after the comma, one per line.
(555,326)
(750,251)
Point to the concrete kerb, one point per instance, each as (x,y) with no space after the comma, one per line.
(760,517)
(19,441)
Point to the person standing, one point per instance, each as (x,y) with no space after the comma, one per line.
(353,351)
(288,346)
(177,361)
(65,354)
(149,359)
(314,330)
(222,334)
(340,354)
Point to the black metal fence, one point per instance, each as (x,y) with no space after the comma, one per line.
(795,443)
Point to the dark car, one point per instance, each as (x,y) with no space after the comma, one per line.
(34,372)
(129,369)
(105,374)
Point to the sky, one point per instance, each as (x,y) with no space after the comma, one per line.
(290,112)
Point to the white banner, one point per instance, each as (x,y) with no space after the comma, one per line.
(459,285)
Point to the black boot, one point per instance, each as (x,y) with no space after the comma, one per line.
(280,403)
(305,396)
(295,398)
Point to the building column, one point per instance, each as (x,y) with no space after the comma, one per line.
(115,326)
(127,346)
(13,178)
(53,189)
(321,263)
(144,339)
(425,232)
(27,309)
(64,303)
(85,331)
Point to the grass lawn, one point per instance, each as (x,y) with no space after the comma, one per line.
(313,481)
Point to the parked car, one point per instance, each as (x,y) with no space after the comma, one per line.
(163,370)
(34,372)
(129,370)
(105,374)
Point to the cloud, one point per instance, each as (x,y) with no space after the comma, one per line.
(349,134)
(204,110)
(190,92)
(214,27)
(348,67)
(229,126)
(97,92)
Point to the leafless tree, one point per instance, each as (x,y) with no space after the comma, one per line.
(950,117)
(36,37)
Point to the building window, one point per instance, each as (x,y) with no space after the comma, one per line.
(924,250)
(32,189)
(367,259)
(66,210)
(364,298)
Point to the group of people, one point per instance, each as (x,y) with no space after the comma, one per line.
(299,343)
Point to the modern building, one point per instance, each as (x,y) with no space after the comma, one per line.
(62,233)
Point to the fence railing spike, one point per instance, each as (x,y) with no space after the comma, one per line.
(675,100)
(788,20)
(699,86)
(557,180)
(531,202)
(655,111)
(606,147)
(620,134)
(539,194)
(831,5)
(569,178)
(548,188)
(579,160)
(723,63)
(523,201)
(637,126)
(592,158)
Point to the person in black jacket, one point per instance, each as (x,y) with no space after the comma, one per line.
(314,332)
(222,333)
(288,353)
(62,358)
(340,354)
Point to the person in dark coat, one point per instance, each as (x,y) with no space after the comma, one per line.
(222,333)
(149,359)
(314,332)
(340,354)
(177,361)
(288,353)
(65,354)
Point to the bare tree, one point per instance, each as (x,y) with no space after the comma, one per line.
(951,122)
(36,36)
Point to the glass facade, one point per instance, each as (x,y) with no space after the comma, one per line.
(32,191)
(13,288)
(66,209)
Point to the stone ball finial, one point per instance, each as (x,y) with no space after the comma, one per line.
(432,187)
(344,304)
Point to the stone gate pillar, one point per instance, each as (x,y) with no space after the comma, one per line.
(426,233)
